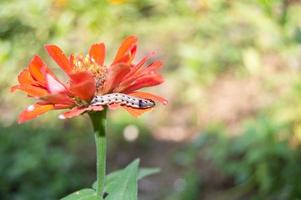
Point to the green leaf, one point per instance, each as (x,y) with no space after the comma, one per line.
(122,185)
(83,194)
(142,173)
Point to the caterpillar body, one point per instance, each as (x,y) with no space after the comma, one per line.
(122,99)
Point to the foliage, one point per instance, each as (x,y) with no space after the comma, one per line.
(119,185)
(262,159)
(35,163)
(83,194)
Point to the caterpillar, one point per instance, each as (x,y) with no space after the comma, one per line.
(122,99)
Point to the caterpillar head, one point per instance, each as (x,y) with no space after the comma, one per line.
(146,103)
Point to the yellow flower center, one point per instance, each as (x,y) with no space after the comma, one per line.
(87,63)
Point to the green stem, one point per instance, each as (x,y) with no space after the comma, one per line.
(99,125)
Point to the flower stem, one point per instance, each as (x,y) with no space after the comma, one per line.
(99,125)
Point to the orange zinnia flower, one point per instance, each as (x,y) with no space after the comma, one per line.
(88,76)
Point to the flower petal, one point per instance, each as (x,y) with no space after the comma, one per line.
(59,57)
(31,90)
(152,67)
(139,71)
(62,99)
(115,75)
(136,112)
(144,81)
(146,95)
(127,50)
(25,77)
(134,69)
(38,70)
(73,112)
(97,52)
(61,106)
(83,85)
(54,86)
(33,111)
(76,111)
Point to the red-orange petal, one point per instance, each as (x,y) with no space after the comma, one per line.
(115,75)
(82,85)
(38,70)
(134,69)
(25,77)
(76,111)
(61,106)
(59,57)
(97,52)
(33,111)
(139,72)
(156,65)
(136,112)
(58,99)
(73,112)
(31,90)
(146,95)
(56,106)
(144,81)
(127,50)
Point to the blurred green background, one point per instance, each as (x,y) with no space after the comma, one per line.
(232,129)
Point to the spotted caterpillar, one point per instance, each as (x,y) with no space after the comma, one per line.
(122,99)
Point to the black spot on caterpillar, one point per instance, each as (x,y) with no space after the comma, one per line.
(122,99)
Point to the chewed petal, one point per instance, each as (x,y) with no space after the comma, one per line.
(127,50)
(97,52)
(83,85)
(136,112)
(150,96)
(33,111)
(59,57)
